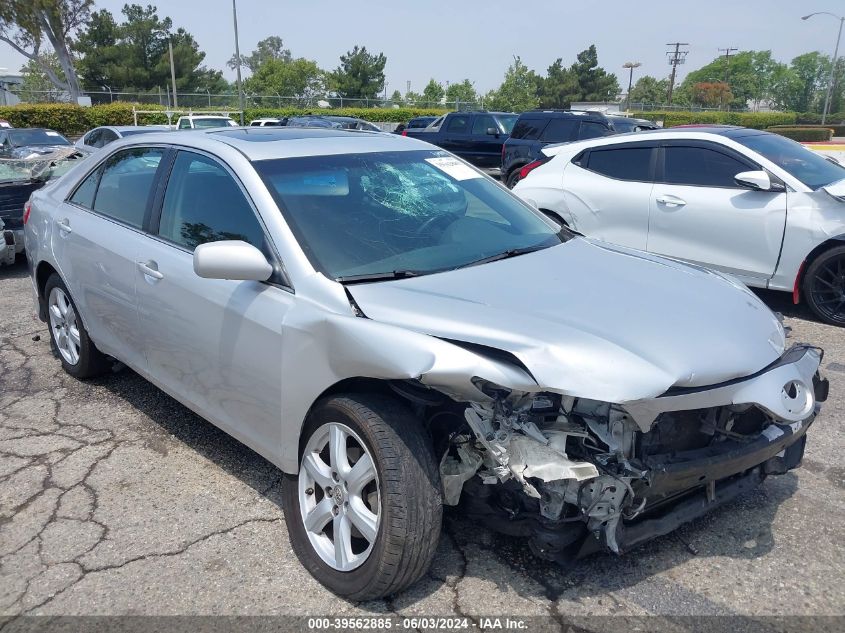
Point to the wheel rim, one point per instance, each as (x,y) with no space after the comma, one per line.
(339,496)
(828,289)
(64,325)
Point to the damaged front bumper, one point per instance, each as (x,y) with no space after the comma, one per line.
(579,475)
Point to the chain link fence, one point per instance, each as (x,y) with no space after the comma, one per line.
(207,99)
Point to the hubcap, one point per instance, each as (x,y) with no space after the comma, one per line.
(64,325)
(828,289)
(339,496)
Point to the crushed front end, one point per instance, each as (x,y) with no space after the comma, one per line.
(575,475)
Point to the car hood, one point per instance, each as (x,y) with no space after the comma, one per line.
(590,319)
(24,151)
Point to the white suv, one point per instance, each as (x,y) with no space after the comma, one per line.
(753,204)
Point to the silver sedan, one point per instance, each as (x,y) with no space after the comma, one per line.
(396,331)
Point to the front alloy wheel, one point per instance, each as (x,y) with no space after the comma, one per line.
(364,510)
(339,496)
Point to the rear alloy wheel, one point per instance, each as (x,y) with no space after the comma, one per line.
(364,512)
(824,286)
(513,178)
(68,337)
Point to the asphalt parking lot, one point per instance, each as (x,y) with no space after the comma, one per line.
(114,499)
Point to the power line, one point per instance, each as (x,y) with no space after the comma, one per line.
(676,58)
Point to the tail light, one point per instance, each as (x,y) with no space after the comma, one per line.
(404,132)
(531,167)
(26,209)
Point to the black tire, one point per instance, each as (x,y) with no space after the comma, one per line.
(410,498)
(824,286)
(512,178)
(92,362)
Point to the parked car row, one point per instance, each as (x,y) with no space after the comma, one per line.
(397,331)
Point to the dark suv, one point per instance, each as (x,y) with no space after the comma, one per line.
(538,128)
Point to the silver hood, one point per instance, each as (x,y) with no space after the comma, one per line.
(592,320)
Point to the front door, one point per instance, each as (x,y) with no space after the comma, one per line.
(699,214)
(215,344)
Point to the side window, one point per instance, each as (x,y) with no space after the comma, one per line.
(203,203)
(84,194)
(92,138)
(559,131)
(528,129)
(458,125)
(622,163)
(591,129)
(107,137)
(184,124)
(126,185)
(700,166)
(481,123)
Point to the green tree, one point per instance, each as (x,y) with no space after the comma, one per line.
(559,88)
(811,71)
(298,78)
(649,90)
(134,55)
(360,74)
(432,94)
(396,97)
(28,25)
(749,74)
(463,92)
(594,82)
(518,91)
(269,48)
(36,85)
(585,80)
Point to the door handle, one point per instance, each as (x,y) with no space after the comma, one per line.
(671,201)
(64,226)
(149,271)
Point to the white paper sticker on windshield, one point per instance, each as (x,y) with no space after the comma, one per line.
(51,133)
(453,167)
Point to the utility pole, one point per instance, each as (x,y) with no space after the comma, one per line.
(172,74)
(238,59)
(833,61)
(727,51)
(630,66)
(676,58)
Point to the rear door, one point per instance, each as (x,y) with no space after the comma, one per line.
(215,344)
(698,213)
(96,237)
(607,191)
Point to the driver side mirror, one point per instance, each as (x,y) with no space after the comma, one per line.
(756,180)
(231,259)
(492,131)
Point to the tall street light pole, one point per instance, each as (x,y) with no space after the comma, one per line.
(833,62)
(630,66)
(238,60)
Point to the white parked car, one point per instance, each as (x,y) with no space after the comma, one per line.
(204,121)
(750,203)
(268,122)
(99,137)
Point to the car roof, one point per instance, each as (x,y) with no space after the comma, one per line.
(691,133)
(551,114)
(263,143)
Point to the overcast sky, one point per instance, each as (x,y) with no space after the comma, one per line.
(477,39)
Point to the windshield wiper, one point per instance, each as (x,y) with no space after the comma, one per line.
(513,252)
(383,276)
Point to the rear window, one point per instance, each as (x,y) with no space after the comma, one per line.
(622,163)
(590,129)
(529,129)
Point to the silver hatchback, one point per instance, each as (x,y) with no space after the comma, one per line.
(396,331)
